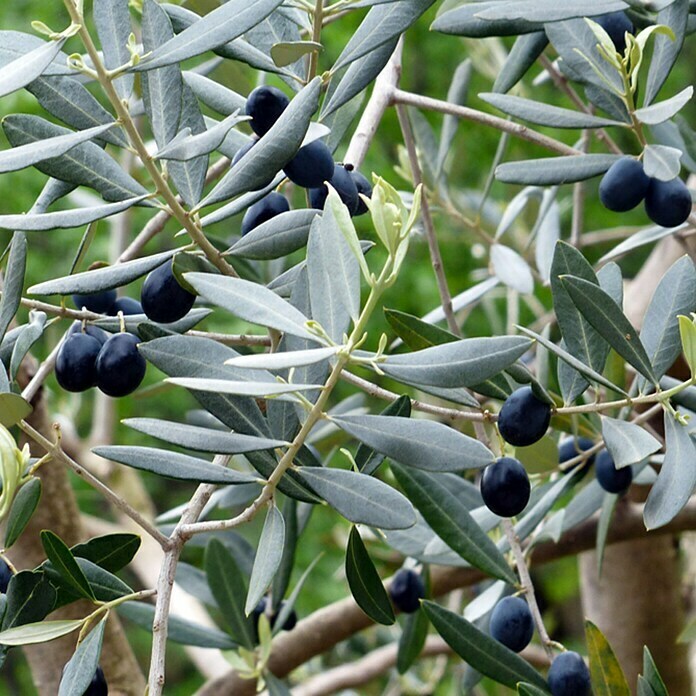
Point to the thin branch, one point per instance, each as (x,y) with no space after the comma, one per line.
(450,414)
(435,256)
(57,452)
(372,115)
(464,112)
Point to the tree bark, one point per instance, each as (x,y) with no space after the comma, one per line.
(58,511)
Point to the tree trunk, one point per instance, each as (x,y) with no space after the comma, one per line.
(58,511)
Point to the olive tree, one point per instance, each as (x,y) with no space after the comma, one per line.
(564,429)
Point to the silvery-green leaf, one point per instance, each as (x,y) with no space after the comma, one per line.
(545,114)
(576,44)
(186,146)
(675,295)
(599,309)
(662,162)
(571,360)
(31,333)
(665,50)
(28,155)
(464,21)
(273,150)
(359,498)
(277,237)
(189,176)
(664,110)
(382,24)
(524,53)
(515,207)
(77,217)
(418,443)
(611,281)
(79,671)
(548,233)
(357,77)
(15,45)
(268,555)
(549,10)
(627,443)
(213,94)
(333,271)
(282,360)
(452,523)
(677,477)
(639,239)
(464,299)
(237,49)
(172,464)
(582,340)
(69,100)
(162,89)
(112,21)
(222,25)
(13,281)
(21,71)
(511,269)
(101,278)
(40,632)
(251,302)
(255,389)
(460,363)
(86,164)
(22,509)
(554,170)
(201,439)
(282,27)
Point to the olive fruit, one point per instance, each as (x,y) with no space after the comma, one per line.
(406,590)
(624,185)
(569,675)
(76,362)
(120,366)
(311,166)
(262,211)
(668,203)
(97,302)
(265,105)
(505,487)
(610,478)
(523,419)
(162,297)
(511,623)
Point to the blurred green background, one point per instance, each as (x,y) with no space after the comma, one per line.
(429,64)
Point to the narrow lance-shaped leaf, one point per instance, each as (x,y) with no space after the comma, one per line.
(268,555)
(608,678)
(250,302)
(451,522)
(554,170)
(482,652)
(361,499)
(627,443)
(13,282)
(79,671)
(64,563)
(222,25)
(229,589)
(418,443)
(364,582)
(22,509)
(604,315)
(162,88)
(77,217)
(112,21)
(677,478)
(172,464)
(41,632)
(23,70)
